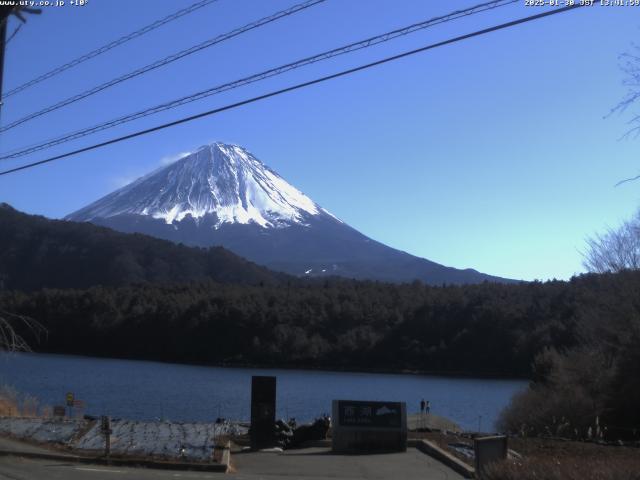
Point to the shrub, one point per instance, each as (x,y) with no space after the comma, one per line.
(568,398)
(14,404)
(8,402)
(575,468)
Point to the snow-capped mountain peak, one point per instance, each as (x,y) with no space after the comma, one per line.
(218,179)
(221,195)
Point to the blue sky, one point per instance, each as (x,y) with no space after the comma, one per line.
(492,153)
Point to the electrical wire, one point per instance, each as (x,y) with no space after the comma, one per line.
(369,42)
(298,86)
(13,34)
(108,46)
(165,61)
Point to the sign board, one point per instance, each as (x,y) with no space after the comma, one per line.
(488,450)
(362,426)
(263,411)
(369,414)
(69,399)
(59,411)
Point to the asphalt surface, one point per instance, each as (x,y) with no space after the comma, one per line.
(320,463)
(16,468)
(307,464)
(10,445)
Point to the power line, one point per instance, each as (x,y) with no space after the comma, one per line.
(109,46)
(166,60)
(297,86)
(369,42)
(13,34)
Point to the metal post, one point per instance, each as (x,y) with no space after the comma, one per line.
(107,444)
(105,426)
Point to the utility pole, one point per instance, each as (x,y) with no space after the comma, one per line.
(5,12)
(3,39)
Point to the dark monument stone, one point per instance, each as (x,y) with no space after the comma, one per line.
(263,411)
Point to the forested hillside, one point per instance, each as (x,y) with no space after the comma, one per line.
(150,299)
(492,329)
(36,252)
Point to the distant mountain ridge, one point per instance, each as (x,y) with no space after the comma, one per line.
(36,252)
(223,195)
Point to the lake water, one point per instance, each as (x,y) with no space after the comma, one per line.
(149,390)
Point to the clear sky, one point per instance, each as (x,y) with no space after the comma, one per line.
(492,153)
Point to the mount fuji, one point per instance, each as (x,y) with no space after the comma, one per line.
(223,195)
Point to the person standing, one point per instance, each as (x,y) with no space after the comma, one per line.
(422,406)
(428,406)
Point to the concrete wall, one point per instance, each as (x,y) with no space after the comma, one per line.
(489,450)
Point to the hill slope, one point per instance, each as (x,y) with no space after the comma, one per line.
(36,252)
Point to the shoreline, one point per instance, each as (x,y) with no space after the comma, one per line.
(372,371)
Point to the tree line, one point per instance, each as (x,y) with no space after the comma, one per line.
(133,296)
(484,329)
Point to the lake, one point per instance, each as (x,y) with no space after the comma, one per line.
(145,390)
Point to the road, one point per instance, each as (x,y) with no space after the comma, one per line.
(308,464)
(320,464)
(15,468)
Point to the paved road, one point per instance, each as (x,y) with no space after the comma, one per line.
(319,464)
(308,464)
(15,468)
(10,445)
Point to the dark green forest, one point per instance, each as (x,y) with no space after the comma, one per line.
(485,329)
(577,341)
(36,252)
(98,292)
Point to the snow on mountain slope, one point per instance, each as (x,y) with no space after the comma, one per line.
(222,195)
(225,180)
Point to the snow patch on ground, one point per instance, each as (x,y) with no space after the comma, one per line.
(190,441)
(170,440)
(40,430)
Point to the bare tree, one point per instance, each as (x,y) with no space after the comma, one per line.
(630,66)
(12,341)
(616,249)
(619,249)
